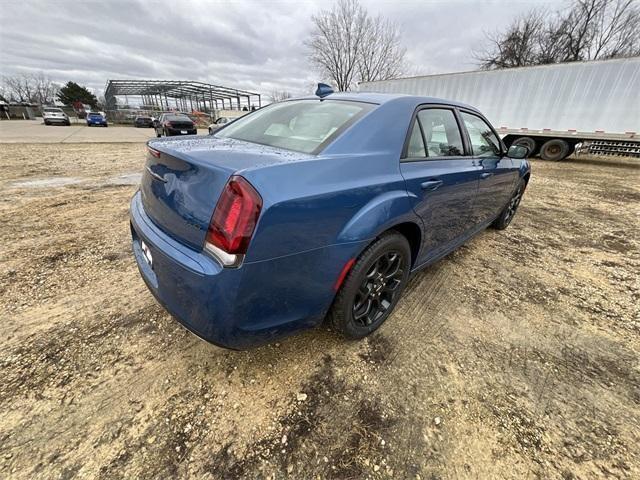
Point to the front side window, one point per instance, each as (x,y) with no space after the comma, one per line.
(300,125)
(484,142)
(441,133)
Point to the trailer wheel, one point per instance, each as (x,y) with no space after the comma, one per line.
(554,150)
(528,142)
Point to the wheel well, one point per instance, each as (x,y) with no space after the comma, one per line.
(412,233)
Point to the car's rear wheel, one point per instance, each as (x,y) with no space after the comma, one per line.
(510,210)
(373,287)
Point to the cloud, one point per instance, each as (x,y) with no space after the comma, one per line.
(252,45)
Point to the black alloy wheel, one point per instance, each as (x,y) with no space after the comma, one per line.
(510,210)
(372,287)
(378,288)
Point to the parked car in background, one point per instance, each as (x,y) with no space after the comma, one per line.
(54,115)
(316,206)
(219,123)
(96,118)
(169,124)
(143,121)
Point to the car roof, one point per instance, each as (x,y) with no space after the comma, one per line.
(381,98)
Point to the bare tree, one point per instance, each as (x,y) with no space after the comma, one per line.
(45,89)
(382,54)
(279,95)
(31,88)
(606,29)
(587,30)
(347,45)
(517,46)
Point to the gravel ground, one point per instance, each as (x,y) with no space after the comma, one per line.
(516,356)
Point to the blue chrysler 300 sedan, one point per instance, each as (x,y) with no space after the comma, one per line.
(314,207)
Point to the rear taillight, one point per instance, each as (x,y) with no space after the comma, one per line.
(234,221)
(168,124)
(153,152)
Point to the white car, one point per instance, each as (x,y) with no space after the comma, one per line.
(55,115)
(219,123)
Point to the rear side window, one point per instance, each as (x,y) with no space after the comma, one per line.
(300,125)
(441,133)
(416,144)
(484,142)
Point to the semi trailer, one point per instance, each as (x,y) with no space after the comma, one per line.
(551,109)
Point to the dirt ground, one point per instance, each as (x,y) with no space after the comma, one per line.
(518,356)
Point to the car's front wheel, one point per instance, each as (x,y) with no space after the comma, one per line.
(372,287)
(510,210)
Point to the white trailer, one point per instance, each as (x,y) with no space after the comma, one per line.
(548,108)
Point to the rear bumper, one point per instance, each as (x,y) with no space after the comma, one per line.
(237,308)
(56,120)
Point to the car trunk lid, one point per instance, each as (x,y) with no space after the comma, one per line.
(181,124)
(183,180)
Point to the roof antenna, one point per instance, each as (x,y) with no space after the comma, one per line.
(323,90)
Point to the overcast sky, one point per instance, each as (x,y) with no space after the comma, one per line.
(249,44)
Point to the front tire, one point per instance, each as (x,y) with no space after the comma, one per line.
(505,217)
(373,287)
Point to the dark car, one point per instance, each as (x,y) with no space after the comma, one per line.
(143,121)
(170,124)
(316,207)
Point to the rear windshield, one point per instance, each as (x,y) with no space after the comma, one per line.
(52,110)
(301,125)
(95,114)
(177,118)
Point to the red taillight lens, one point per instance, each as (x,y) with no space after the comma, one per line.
(167,124)
(153,152)
(235,217)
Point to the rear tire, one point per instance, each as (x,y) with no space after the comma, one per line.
(554,150)
(528,142)
(372,287)
(505,217)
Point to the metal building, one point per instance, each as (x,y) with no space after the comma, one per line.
(185,96)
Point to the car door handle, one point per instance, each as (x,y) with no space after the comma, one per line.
(431,184)
(486,175)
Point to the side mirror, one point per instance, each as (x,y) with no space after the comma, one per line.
(518,152)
